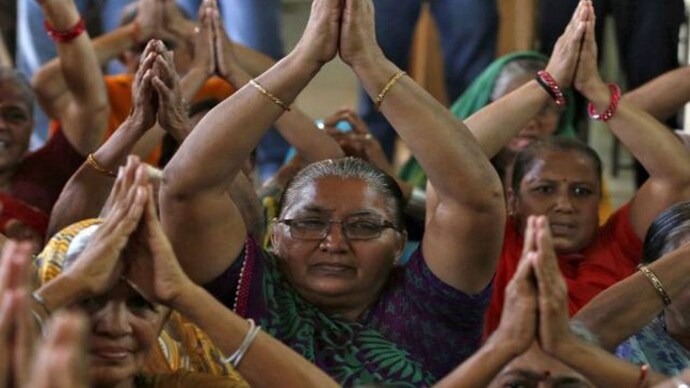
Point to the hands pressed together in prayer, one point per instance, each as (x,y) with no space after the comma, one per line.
(156,93)
(26,360)
(536,307)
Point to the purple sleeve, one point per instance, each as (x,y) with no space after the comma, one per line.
(436,323)
(241,281)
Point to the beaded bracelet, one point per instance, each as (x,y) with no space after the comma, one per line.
(387,88)
(549,84)
(613,106)
(67,35)
(269,95)
(656,283)
(91,160)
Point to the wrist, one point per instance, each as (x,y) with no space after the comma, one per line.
(598,93)
(186,298)
(564,346)
(63,291)
(302,59)
(61,18)
(364,63)
(504,348)
(137,122)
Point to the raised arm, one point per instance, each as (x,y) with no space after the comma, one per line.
(659,151)
(52,86)
(663,96)
(86,192)
(206,228)
(612,318)
(160,278)
(602,368)
(202,68)
(515,334)
(84,111)
(471,206)
(237,64)
(497,123)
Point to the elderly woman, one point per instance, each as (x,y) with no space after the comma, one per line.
(330,288)
(534,344)
(654,329)
(122,273)
(31,182)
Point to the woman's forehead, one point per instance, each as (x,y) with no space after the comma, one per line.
(556,163)
(337,195)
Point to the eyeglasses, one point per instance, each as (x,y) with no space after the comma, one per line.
(353,229)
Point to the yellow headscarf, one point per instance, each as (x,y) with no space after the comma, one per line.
(182,345)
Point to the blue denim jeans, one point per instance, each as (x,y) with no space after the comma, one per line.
(468,33)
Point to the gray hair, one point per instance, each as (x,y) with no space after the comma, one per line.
(513,70)
(8,74)
(346,168)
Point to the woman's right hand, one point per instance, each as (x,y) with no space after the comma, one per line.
(319,42)
(99,267)
(588,80)
(144,101)
(204,41)
(564,59)
(358,33)
(518,326)
(152,267)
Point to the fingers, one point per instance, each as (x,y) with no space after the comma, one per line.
(127,209)
(549,278)
(24,338)
(348,115)
(61,361)
(529,244)
(14,266)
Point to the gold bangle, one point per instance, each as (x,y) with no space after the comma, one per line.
(656,283)
(98,167)
(270,96)
(387,88)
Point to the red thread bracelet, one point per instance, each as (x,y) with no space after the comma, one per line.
(549,84)
(67,35)
(611,110)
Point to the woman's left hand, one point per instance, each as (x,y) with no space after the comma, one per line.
(172,109)
(17,333)
(152,267)
(587,78)
(358,33)
(554,326)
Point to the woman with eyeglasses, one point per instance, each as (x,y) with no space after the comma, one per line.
(330,288)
